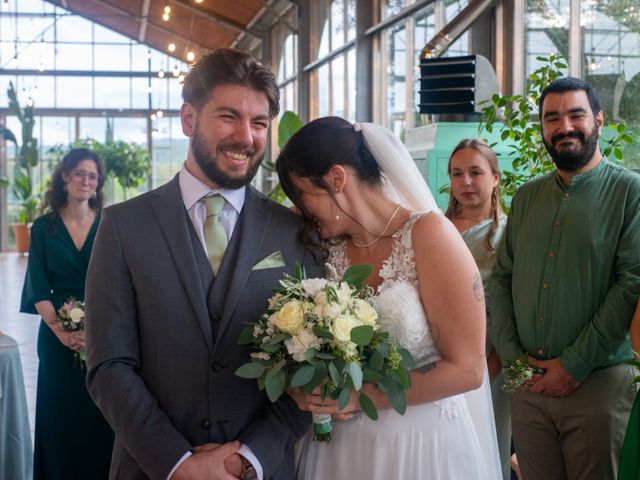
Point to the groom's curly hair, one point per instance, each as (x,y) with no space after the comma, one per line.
(228,66)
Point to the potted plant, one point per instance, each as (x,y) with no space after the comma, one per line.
(26,160)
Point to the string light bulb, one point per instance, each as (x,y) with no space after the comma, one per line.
(172,47)
(190,56)
(161,74)
(165,17)
(167,9)
(176,72)
(181,78)
(159,114)
(198,1)
(5,5)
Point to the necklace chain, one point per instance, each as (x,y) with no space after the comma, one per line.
(379,237)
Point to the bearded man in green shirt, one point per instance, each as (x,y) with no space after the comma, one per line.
(564,288)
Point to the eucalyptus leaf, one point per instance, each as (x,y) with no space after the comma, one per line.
(275,385)
(322,332)
(318,377)
(368,407)
(356,275)
(362,335)
(334,374)
(355,372)
(269,347)
(376,361)
(251,370)
(278,337)
(397,397)
(369,375)
(343,399)
(303,376)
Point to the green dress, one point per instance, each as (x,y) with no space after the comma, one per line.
(72,439)
(630,459)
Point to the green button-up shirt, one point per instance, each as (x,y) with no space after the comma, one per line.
(567,273)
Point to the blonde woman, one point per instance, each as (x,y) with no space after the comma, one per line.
(474,208)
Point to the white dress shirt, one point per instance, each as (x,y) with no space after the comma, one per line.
(192,191)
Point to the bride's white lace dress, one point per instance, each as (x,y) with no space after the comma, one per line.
(449,439)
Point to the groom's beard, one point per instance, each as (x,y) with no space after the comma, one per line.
(208,163)
(570,159)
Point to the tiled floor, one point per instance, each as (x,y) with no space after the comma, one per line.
(22,327)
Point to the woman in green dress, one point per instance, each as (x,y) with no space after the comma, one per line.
(474,208)
(72,439)
(629,468)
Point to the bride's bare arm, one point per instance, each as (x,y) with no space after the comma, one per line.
(453,298)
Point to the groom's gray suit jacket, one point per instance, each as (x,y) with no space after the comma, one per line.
(162,333)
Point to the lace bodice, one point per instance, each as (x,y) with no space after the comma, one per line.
(397,299)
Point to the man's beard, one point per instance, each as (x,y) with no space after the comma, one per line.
(207,161)
(572,159)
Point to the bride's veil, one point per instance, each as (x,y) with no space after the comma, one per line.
(404,183)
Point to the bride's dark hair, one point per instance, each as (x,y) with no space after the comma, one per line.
(319,145)
(315,148)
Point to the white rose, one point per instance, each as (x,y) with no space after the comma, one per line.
(299,344)
(76,315)
(290,318)
(365,312)
(313,286)
(345,292)
(341,327)
(324,308)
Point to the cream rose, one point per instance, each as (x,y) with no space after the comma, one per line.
(290,318)
(299,344)
(76,315)
(365,312)
(341,327)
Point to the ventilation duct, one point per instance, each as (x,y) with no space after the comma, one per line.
(456,84)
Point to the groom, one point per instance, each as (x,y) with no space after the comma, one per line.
(166,298)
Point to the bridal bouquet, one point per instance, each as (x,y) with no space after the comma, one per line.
(320,333)
(71,319)
(518,373)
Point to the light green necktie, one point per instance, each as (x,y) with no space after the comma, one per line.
(215,238)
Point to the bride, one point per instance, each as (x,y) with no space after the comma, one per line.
(359,189)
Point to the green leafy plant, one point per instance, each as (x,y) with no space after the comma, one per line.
(26,157)
(289,124)
(516,118)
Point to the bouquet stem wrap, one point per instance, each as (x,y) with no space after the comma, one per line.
(322,427)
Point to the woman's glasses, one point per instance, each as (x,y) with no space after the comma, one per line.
(81,176)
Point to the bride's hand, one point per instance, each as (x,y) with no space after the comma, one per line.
(315,404)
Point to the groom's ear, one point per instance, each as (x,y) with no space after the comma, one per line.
(188,119)
(336,177)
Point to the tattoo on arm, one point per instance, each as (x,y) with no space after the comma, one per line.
(426,368)
(478,289)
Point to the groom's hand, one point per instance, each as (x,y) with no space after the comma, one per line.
(233,463)
(208,462)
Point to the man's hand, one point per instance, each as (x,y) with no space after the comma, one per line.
(233,463)
(209,462)
(554,382)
